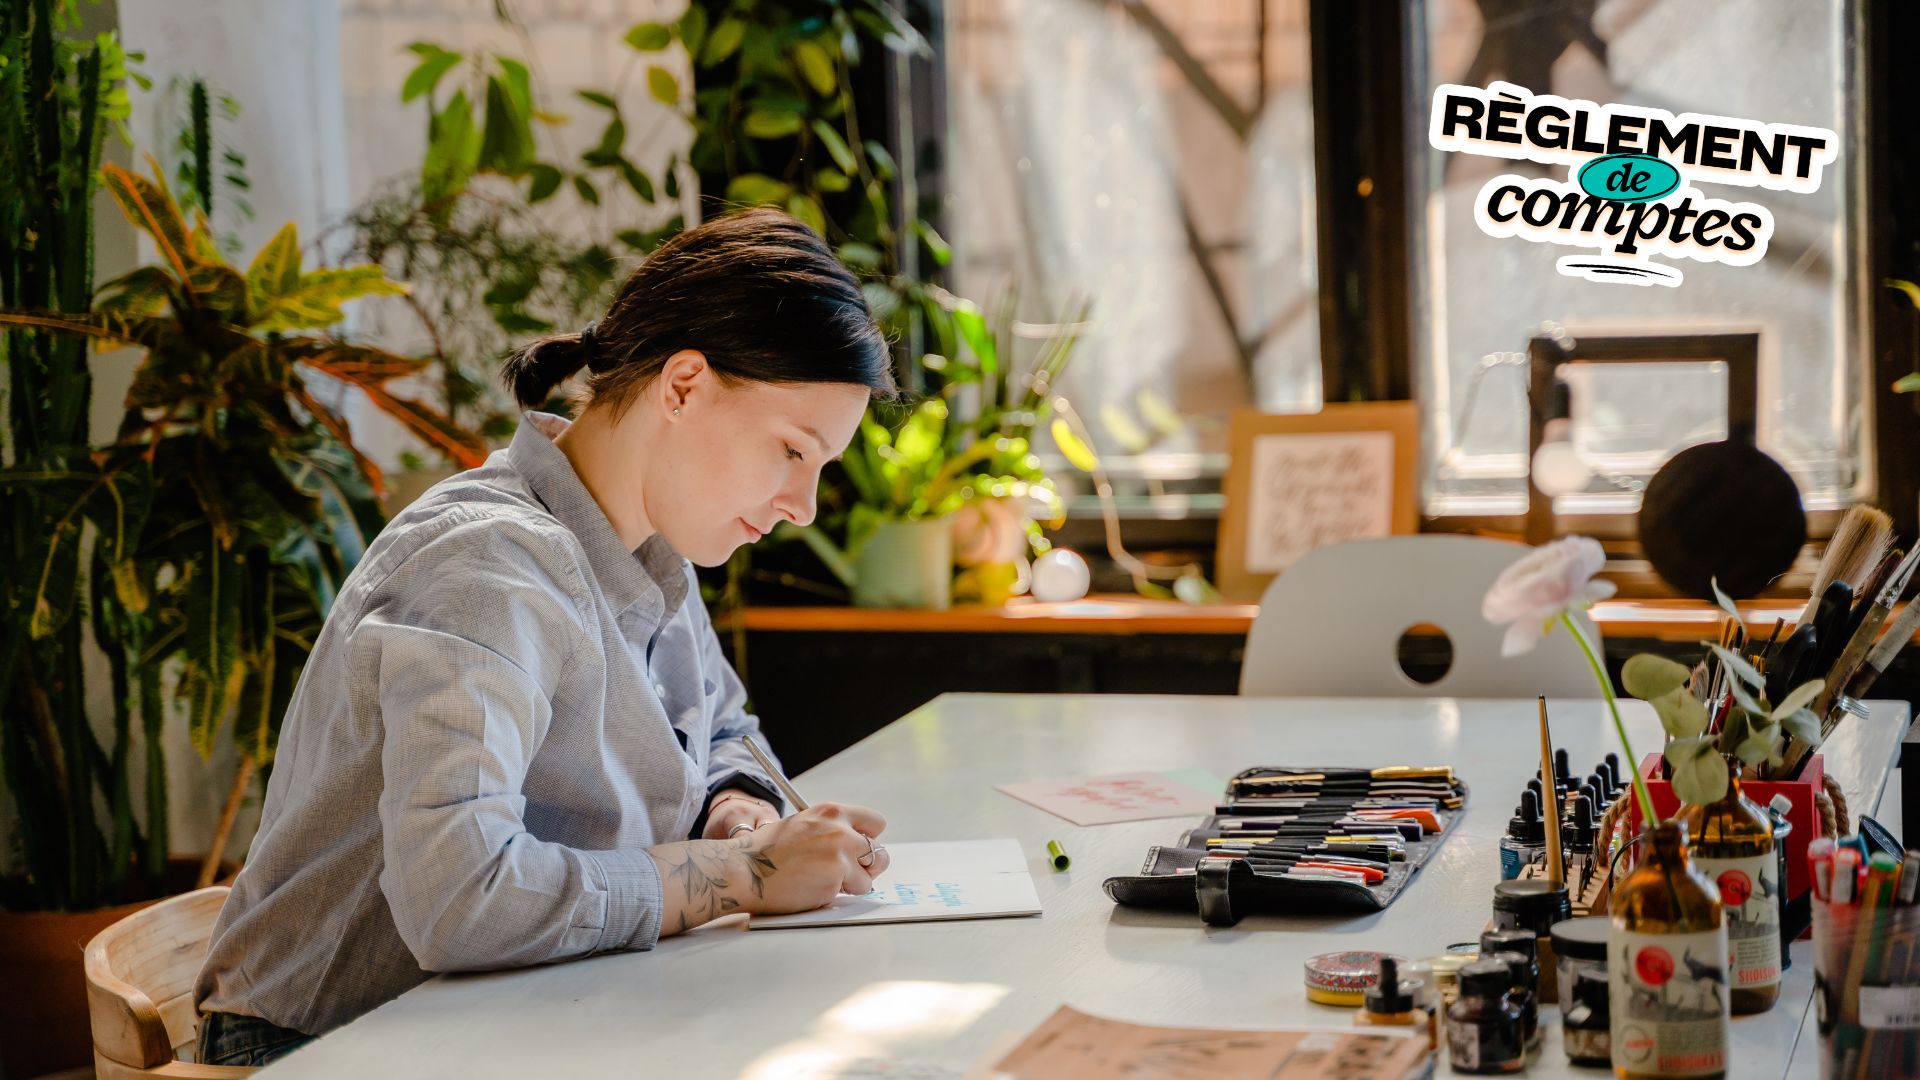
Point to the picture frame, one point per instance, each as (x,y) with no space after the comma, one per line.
(1296,481)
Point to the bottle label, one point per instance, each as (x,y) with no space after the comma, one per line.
(1509,860)
(1463,1044)
(1669,1001)
(1751,895)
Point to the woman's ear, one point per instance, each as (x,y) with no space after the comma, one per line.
(684,379)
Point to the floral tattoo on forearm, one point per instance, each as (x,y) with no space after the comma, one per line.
(705,872)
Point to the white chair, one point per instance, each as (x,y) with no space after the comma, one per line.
(1330,626)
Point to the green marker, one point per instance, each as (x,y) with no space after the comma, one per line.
(1059,855)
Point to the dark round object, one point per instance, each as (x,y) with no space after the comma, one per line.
(1531,905)
(1721,511)
(1520,941)
(1582,939)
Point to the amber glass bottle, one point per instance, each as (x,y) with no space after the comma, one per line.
(1667,967)
(1731,842)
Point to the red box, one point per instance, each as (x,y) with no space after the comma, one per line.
(1805,814)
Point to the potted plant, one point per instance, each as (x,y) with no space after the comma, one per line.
(69,812)
(226,512)
(1717,718)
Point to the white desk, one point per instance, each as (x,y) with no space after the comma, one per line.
(721,1002)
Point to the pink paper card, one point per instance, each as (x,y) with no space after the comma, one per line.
(1103,800)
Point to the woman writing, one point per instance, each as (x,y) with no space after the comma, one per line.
(517,713)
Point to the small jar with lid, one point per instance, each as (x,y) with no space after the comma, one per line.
(1485,1032)
(1446,976)
(1343,978)
(1529,904)
(1587,1028)
(1427,997)
(1579,945)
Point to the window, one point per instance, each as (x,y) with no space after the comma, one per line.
(1480,299)
(1155,157)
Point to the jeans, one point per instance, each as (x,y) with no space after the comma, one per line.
(232,1039)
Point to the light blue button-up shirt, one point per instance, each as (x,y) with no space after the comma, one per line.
(506,706)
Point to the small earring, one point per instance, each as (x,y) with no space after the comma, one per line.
(676,412)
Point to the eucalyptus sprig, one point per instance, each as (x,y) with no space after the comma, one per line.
(1754,730)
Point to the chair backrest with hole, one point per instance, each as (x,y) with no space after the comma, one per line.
(1330,626)
(140,976)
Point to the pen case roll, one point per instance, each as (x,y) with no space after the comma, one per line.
(1223,891)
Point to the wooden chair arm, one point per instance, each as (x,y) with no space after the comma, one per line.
(105,1068)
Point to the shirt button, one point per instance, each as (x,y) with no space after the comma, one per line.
(661,690)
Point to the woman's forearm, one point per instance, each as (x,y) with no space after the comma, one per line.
(702,880)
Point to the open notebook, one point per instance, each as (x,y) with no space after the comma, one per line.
(958,879)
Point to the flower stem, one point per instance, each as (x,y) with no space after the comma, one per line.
(1648,817)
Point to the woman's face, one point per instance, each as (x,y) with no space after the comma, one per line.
(738,459)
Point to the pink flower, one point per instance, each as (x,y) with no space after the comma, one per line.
(1531,593)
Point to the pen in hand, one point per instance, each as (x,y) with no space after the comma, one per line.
(773,771)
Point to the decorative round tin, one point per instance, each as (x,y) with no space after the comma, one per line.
(1343,978)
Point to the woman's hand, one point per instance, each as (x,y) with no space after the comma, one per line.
(819,853)
(790,864)
(732,809)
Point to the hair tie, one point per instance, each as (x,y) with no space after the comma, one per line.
(588,344)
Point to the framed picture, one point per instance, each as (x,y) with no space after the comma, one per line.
(1296,482)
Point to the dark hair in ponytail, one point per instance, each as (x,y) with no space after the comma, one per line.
(757,292)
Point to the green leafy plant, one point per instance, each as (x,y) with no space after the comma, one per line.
(60,96)
(972,440)
(1910,382)
(773,115)
(489,270)
(232,502)
(196,176)
(1705,728)
(487,275)
(772,123)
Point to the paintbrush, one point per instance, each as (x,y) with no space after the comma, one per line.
(1730,631)
(1857,545)
(1556,865)
(1892,581)
(1829,631)
(1766,651)
(1899,632)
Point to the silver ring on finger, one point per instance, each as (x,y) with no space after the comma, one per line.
(735,831)
(867,859)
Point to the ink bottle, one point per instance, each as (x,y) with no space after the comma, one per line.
(1485,1034)
(1586,1030)
(1731,842)
(1667,967)
(1493,944)
(1526,837)
(1392,1001)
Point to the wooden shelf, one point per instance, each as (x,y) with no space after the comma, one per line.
(1095,615)
(1667,620)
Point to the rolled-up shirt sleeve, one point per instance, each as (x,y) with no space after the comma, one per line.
(469,655)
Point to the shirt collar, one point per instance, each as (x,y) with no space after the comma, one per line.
(654,578)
